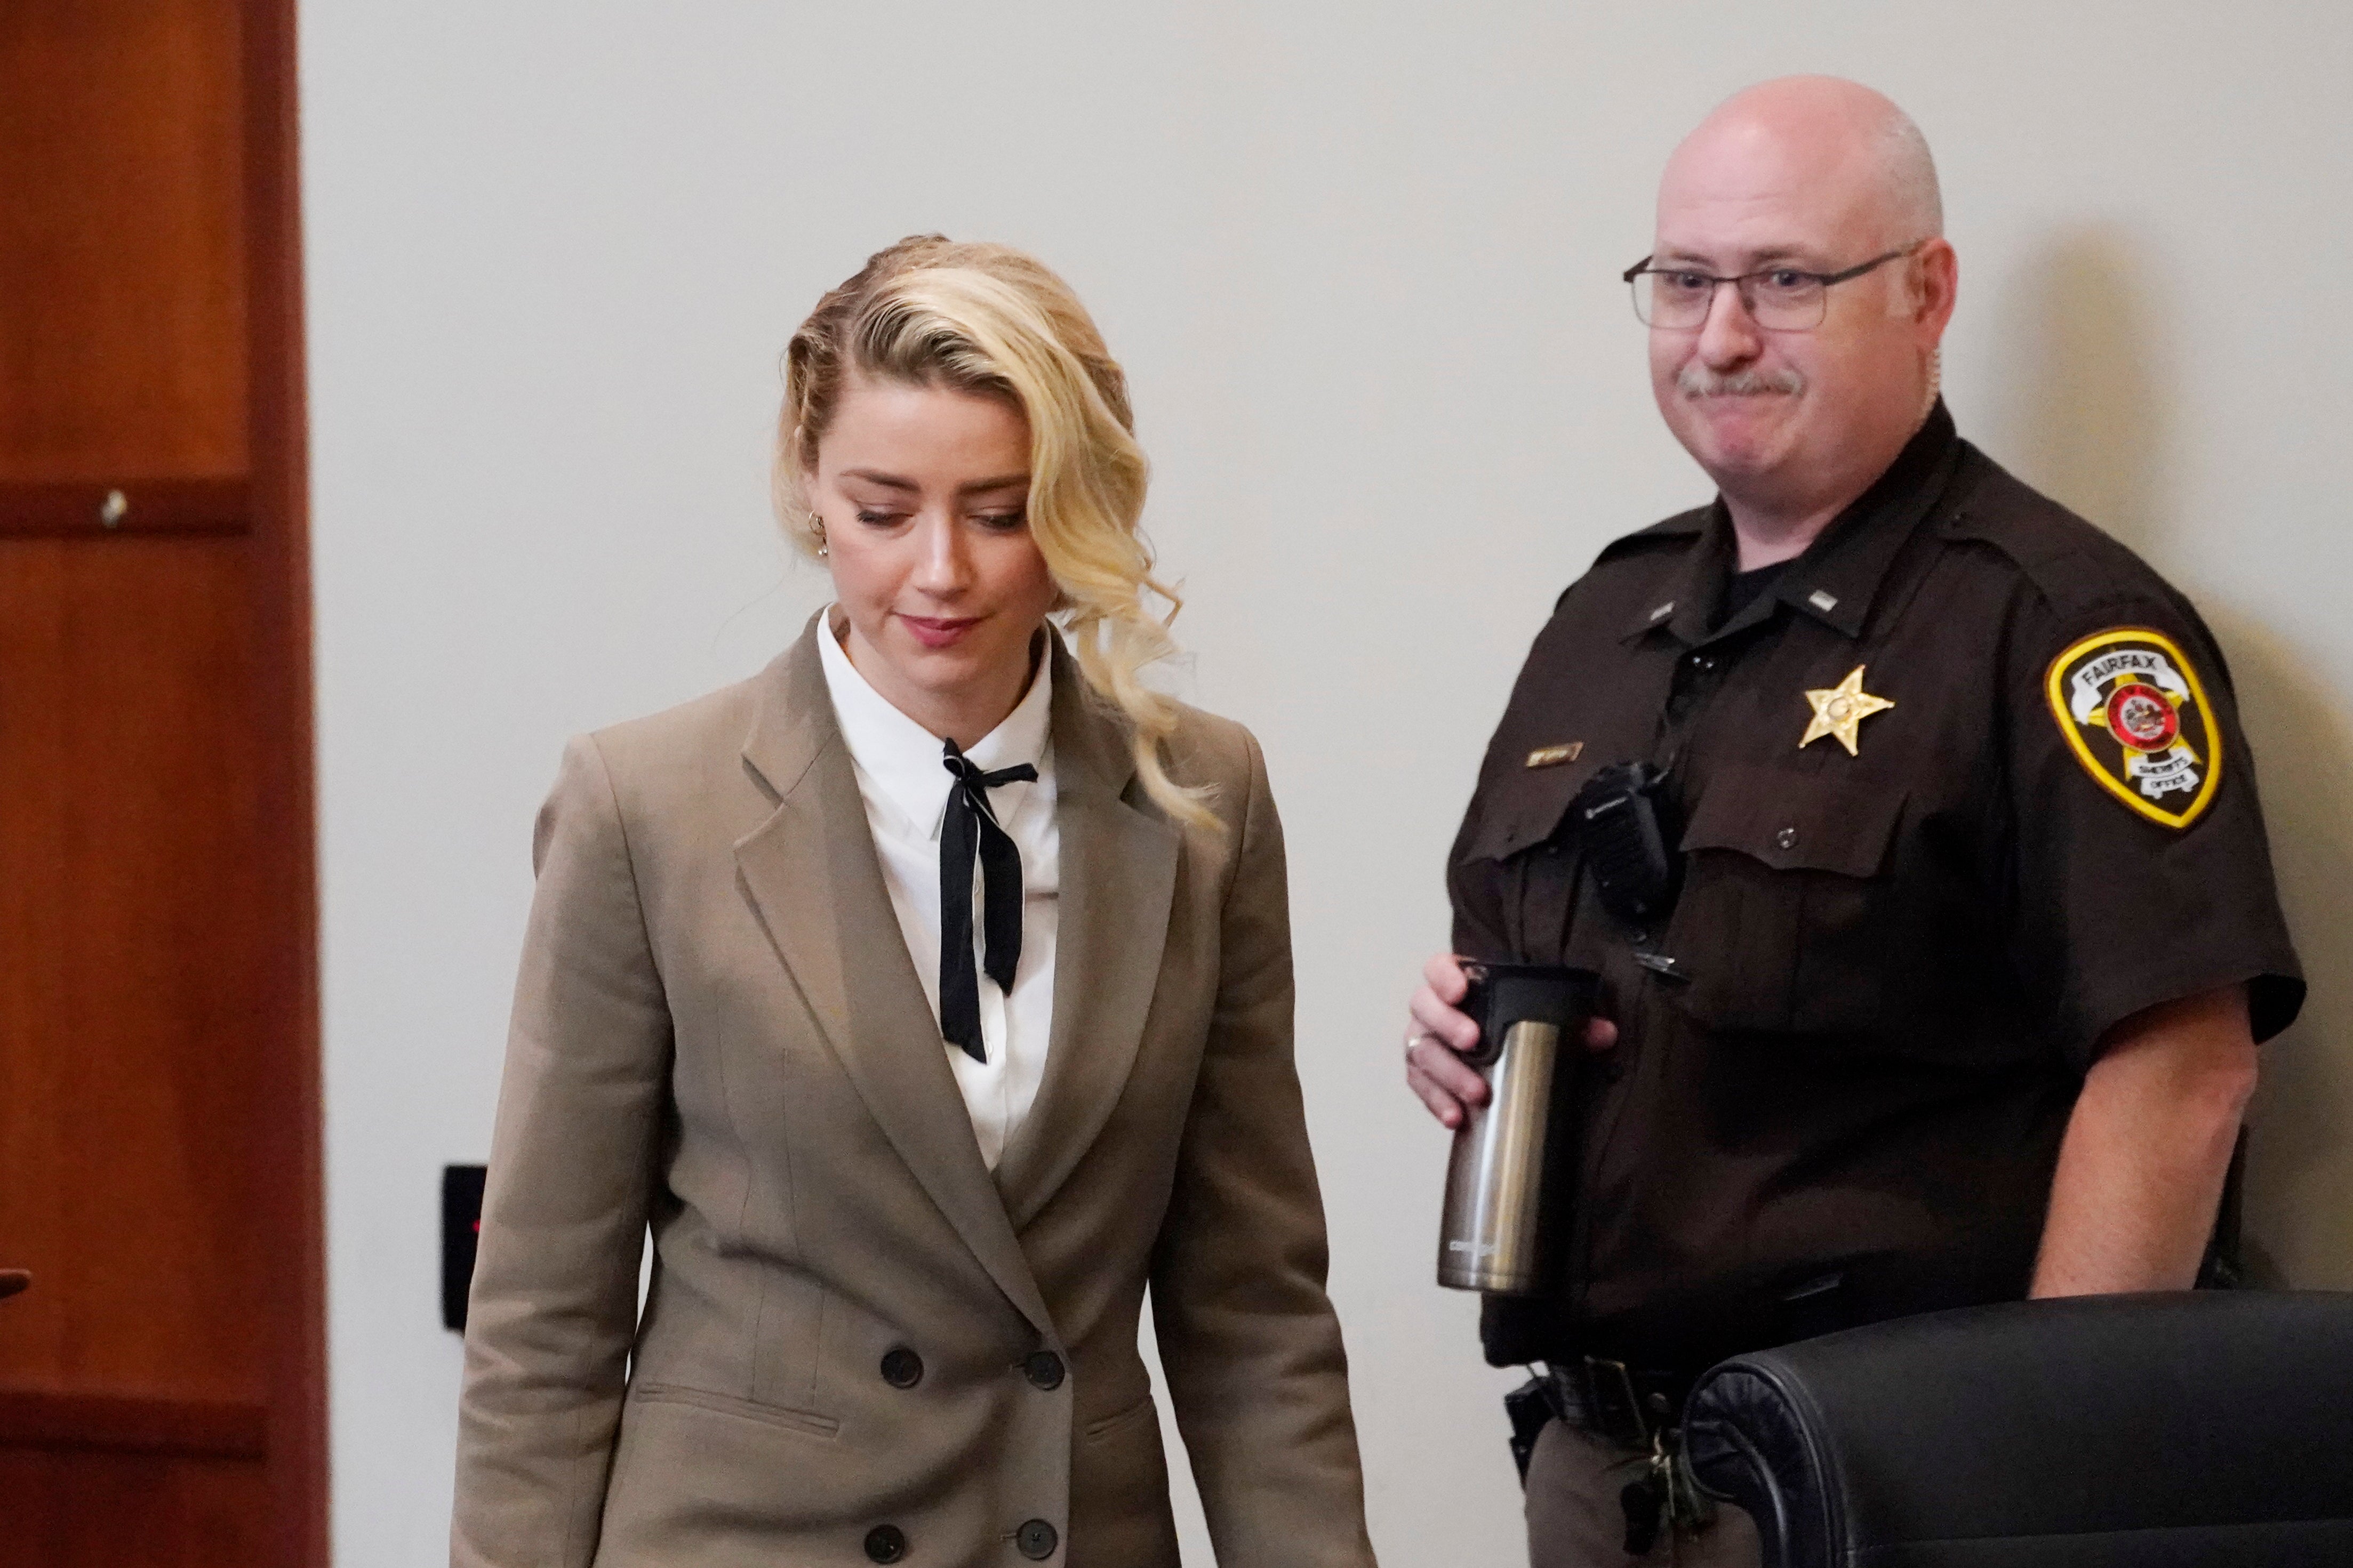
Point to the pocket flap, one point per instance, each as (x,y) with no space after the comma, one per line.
(1524,805)
(1795,822)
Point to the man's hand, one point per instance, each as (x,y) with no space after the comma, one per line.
(2142,1165)
(1437,1036)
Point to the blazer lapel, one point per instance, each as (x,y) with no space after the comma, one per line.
(813,874)
(1118,878)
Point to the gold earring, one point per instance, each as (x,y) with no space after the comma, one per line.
(822,548)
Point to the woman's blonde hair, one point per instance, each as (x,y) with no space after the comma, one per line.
(989,319)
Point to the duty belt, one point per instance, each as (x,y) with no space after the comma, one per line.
(1635,1409)
(1618,1404)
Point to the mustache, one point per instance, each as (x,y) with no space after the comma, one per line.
(1698,381)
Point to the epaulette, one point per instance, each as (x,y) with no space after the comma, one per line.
(2073,563)
(1678,529)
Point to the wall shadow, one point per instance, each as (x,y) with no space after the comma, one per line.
(2084,408)
(2080,409)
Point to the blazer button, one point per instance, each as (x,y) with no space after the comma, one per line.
(902,1368)
(1045,1370)
(886,1543)
(1037,1540)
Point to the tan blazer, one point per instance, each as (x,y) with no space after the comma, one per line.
(718,1033)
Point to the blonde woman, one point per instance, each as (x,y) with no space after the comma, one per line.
(929,996)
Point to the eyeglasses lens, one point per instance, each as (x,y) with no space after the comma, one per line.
(1676,301)
(1679,301)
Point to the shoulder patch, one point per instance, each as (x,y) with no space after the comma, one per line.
(2134,712)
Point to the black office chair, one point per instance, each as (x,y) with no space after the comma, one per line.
(2186,1430)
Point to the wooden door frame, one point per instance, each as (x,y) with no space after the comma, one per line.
(267,506)
(289,1164)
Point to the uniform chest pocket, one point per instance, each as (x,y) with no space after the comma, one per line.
(1516,879)
(1782,924)
(1524,808)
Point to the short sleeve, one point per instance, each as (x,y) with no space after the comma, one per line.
(1480,884)
(2143,874)
(1475,888)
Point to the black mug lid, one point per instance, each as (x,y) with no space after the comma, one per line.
(1503,994)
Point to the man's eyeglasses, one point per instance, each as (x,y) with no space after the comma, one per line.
(1778,298)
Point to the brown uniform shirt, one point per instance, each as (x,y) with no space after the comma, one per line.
(1895,962)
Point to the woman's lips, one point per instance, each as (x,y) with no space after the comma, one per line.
(934,633)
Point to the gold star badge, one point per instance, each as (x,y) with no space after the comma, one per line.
(1841,709)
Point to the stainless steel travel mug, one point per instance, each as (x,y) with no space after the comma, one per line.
(1491,1237)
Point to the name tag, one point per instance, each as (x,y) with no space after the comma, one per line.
(1552,756)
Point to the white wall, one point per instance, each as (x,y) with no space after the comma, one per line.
(1360,261)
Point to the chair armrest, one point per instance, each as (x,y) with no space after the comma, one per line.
(2189,1427)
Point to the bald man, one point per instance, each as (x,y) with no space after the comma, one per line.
(1972,931)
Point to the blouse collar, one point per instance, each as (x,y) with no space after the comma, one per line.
(902,760)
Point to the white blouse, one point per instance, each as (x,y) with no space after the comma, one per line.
(905,789)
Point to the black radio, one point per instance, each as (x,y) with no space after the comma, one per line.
(1621,818)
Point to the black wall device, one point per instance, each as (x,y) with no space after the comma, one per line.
(461,1227)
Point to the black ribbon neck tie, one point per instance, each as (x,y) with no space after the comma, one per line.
(970,828)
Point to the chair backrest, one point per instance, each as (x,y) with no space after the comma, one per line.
(2213,1427)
